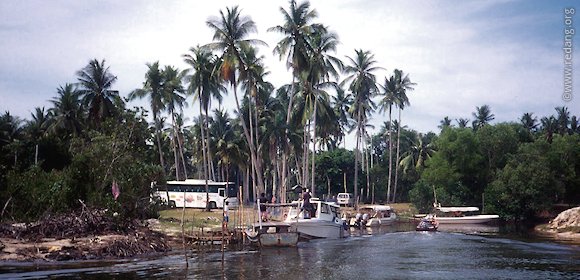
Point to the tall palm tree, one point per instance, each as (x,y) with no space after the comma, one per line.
(230,33)
(66,112)
(95,82)
(549,127)
(296,28)
(389,98)
(174,100)
(204,84)
(563,119)
(529,122)
(482,116)
(36,128)
(361,82)
(444,123)
(462,123)
(401,100)
(153,90)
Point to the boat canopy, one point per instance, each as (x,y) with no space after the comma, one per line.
(377,207)
(458,209)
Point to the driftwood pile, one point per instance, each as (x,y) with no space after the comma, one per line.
(124,238)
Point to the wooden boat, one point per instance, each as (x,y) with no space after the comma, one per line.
(272,234)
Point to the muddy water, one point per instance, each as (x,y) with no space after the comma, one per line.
(388,253)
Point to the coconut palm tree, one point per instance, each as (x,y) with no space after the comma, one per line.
(482,116)
(549,127)
(296,29)
(95,83)
(173,95)
(421,150)
(389,96)
(153,90)
(204,84)
(529,122)
(66,112)
(361,82)
(563,119)
(230,33)
(444,123)
(462,123)
(401,100)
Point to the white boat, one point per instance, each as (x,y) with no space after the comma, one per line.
(325,223)
(462,215)
(374,215)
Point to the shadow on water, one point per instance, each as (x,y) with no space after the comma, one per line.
(391,252)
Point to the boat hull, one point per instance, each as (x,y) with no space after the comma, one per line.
(319,229)
(282,239)
(477,219)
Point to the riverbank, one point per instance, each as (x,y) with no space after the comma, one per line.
(566,226)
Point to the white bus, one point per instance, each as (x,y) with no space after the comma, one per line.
(192,192)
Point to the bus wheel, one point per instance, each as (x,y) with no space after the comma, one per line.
(212,205)
(171,204)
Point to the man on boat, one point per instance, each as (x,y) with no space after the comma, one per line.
(306,205)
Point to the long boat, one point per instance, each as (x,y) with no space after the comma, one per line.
(462,215)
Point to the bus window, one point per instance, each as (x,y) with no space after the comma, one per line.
(222,192)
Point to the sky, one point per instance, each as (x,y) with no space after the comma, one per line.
(507,54)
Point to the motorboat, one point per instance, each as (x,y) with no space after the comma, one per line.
(428,223)
(323,222)
(462,215)
(374,215)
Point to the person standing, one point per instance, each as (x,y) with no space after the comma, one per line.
(263,200)
(226,216)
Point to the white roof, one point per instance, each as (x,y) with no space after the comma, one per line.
(458,209)
(197,182)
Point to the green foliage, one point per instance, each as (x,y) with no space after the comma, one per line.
(34,191)
(330,168)
(525,186)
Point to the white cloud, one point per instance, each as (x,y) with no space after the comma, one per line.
(460,54)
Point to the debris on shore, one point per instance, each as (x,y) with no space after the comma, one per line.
(81,235)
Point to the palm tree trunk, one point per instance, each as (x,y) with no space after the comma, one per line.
(390,156)
(204,156)
(257,178)
(286,150)
(356,156)
(158,139)
(397,161)
(313,146)
(174,144)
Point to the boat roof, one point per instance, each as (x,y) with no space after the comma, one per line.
(458,209)
(377,207)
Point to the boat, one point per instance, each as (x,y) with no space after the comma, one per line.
(428,223)
(374,215)
(325,223)
(272,234)
(462,215)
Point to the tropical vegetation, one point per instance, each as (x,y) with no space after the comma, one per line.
(89,140)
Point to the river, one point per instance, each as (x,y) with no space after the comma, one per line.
(395,252)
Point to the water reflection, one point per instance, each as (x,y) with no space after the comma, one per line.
(380,253)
